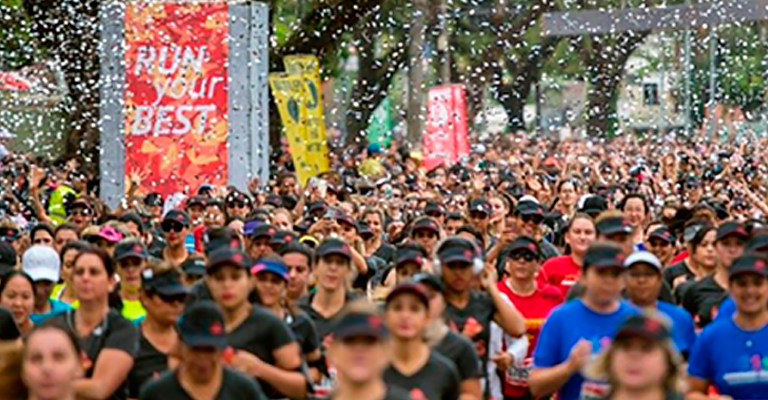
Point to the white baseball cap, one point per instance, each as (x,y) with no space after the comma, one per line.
(41,263)
(643,257)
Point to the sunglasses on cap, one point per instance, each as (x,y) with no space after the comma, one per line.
(535,218)
(172,226)
(434,214)
(522,255)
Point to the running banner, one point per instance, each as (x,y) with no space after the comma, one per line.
(176,95)
(446,138)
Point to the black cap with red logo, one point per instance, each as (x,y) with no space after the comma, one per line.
(333,246)
(202,325)
(664,234)
(750,263)
(227,256)
(604,255)
(732,228)
(643,326)
(359,324)
(523,243)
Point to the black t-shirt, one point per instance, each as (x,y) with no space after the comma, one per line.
(386,252)
(234,386)
(324,325)
(148,363)
(261,334)
(460,350)
(702,298)
(436,380)
(304,330)
(393,393)
(474,321)
(114,332)
(676,270)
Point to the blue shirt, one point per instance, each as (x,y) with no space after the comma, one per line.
(683,334)
(57,307)
(734,360)
(563,329)
(726,310)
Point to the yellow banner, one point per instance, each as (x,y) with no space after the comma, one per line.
(309,68)
(289,97)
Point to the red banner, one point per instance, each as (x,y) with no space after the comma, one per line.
(176,95)
(446,138)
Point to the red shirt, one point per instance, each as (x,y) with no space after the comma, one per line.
(535,309)
(561,272)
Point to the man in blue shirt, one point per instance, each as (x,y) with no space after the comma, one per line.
(577,330)
(644,282)
(732,353)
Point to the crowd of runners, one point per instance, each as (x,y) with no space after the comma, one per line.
(532,269)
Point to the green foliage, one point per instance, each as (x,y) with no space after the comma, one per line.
(17,49)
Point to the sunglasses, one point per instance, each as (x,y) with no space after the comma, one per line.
(478,216)
(170,299)
(535,218)
(236,204)
(523,255)
(80,212)
(434,214)
(172,226)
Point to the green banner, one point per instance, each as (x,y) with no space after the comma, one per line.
(381,124)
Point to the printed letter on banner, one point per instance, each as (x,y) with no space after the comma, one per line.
(176,95)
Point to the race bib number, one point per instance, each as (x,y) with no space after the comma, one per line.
(591,390)
(518,375)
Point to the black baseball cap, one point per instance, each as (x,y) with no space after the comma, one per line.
(749,263)
(238,196)
(364,230)
(332,246)
(317,207)
(480,205)
(528,207)
(8,257)
(594,205)
(457,249)
(524,243)
(227,256)
(217,238)
(262,230)
(604,255)
(431,280)
(425,224)
(359,324)
(153,200)
(130,248)
(193,266)
(643,326)
(410,288)
(731,228)
(281,237)
(202,325)
(614,225)
(664,234)
(11,234)
(343,218)
(408,254)
(273,200)
(432,207)
(196,201)
(758,242)
(168,283)
(8,328)
(177,216)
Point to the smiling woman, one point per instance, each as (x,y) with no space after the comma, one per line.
(17,294)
